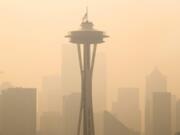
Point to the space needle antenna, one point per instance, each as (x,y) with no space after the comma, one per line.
(87,11)
(86,15)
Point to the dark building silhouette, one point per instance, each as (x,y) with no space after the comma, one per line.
(177,133)
(155,82)
(178,116)
(51,124)
(173,113)
(71,104)
(127,108)
(0,114)
(112,126)
(18,111)
(162,113)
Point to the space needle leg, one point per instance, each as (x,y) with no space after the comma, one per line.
(87,85)
(93,59)
(82,87)
(80,58)
(91,75)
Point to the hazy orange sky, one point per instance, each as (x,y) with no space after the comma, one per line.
(144,34)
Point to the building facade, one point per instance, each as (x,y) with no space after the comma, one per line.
(19,111)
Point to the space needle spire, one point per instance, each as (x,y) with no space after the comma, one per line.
(86,15)
(86,40)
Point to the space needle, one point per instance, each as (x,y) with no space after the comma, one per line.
(86,39)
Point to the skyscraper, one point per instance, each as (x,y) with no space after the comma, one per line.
(127,108)
(51,94)
(0,114)
(162,124)
(155,82)
(51,124)
(71,104)
(178,116)
(19,111)
(70,71)
(173,113)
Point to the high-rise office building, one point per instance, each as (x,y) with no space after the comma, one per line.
(162,106)
(51,94)
(173,113)
(51,124)
(178,116)
(69,70)
(71,105)
(19,111)
(155,82)
(127,108)
(3,86)
(0,114)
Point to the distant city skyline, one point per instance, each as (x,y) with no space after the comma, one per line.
(126,106)
(144,35)
(135,88)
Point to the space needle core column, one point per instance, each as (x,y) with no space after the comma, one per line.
(86,39)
